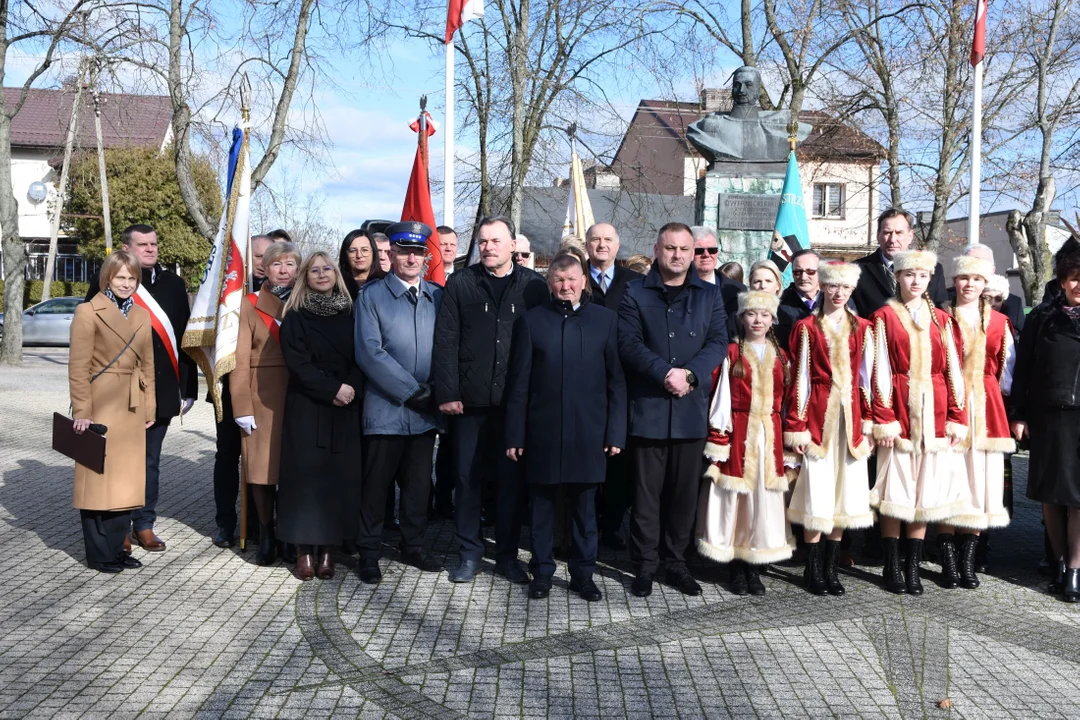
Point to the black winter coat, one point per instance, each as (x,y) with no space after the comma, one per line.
(566,395)
(874,290)
(613,296)
(171,293)
(319,484)
(1047,372)
(654,337)
(473,334)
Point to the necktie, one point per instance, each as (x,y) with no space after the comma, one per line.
(603,282)
(892,277)
(413,294)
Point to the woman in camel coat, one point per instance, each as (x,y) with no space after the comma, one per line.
(258,384)
(111,380)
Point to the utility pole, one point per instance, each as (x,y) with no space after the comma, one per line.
(61,189)
(105,211)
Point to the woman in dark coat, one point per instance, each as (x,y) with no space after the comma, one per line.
(565,409)
(319,482)
(1046,405)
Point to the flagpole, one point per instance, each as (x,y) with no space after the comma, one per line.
(976,154)
(448,141)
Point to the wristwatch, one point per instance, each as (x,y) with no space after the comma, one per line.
(691,378)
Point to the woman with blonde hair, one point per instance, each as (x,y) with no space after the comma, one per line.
(257,386)
(766,277)
(111,381)
(319,483)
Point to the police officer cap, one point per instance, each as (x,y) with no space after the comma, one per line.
(409,234)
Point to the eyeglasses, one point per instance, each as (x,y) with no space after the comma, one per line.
(523,255)
(710,250)
(808,272)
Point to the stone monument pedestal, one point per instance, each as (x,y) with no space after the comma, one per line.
(740,200)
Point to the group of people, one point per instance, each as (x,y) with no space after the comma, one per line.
(718,415)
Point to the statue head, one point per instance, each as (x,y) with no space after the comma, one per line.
(745,86)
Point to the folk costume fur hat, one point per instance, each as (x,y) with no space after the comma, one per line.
(997,285)
(839,273)
(758,300)
(967,265)
(915,260)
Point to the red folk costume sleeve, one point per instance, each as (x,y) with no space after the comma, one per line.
(796,418)
(956,424)
(866,374)
(882,398)
(718,444)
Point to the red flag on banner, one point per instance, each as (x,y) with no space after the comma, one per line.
(418,198)
(978,45)
(460,12)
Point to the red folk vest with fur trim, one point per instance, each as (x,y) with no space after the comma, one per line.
(984,363)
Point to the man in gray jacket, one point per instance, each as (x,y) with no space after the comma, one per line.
(395,332)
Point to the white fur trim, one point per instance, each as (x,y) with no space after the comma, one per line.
(714,552)
(956,430)
(717,453)
(867,427)
(816,452)
(939,514)
(839,273)
(791,439)
(992,444)
(863,450)
(998,519)
(810,522)
(758,300)
(886,431)
(967,265)
(969,522)
(854,522)
(764,557)
(900,512)
(998,285)
(712,473)
(915,260)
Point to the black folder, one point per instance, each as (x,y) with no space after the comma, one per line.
(87,449)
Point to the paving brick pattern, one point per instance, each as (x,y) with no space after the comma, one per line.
(202,632)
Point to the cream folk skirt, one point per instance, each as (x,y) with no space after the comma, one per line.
(919,487)
(833,491)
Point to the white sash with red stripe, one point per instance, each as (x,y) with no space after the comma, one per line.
(162,325)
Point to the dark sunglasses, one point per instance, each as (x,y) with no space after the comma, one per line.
(702,251)
(808,272)
(523,255)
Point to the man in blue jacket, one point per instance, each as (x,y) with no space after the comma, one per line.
(672,335)
(395,335)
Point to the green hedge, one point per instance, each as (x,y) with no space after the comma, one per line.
(60,288)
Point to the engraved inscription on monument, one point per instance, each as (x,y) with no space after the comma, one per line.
(739,211)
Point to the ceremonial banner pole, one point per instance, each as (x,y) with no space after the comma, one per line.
(978,52)
(448,141)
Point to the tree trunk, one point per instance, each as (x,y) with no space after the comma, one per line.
(61,189)
(14,251)
(518,76)
(1014,226)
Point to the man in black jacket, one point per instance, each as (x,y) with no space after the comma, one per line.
(803,294)
(472,350)
(877,284)
(607,281)
(176,377)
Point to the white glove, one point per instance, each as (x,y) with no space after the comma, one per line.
(188,404)
(246,423)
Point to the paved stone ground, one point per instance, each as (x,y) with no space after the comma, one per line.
(203,632)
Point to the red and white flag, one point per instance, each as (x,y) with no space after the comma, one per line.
(460,12)
(978,44)
(418,198)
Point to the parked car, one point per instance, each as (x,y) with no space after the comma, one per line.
(47,323)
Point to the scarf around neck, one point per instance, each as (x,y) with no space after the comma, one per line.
(123,305)
(281,292)
(326,305)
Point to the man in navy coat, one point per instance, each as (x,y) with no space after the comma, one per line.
(565,414)
(672,335)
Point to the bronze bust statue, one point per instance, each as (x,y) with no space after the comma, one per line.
(746,133)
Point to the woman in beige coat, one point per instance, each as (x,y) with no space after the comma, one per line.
(111,380)
(258,383)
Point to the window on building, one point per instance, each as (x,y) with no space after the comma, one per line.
(829,200)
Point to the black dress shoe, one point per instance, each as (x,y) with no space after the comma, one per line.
(222,539)
(369,571)
(737,578)
(108,567)
(684,582)
(539,588)
(642,585)
(127,562)
(445,510)
(612,541)
(513,571)
(287,552)
(587,589)
(422,561)
(753,580)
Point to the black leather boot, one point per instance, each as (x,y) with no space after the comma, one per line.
(832,560)
(1071,592)
(968,579)
(753,579)
(891,574)
(737,577)
(267,552)
(812,574)
(950,575)
(1057,585)
(911,569)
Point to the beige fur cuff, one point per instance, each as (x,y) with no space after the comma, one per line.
(717,453)
(796,438)
(888,430)
(956,430)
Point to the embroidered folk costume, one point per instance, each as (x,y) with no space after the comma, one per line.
(918,400)
(989,357)
(741,510)
(828,411)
